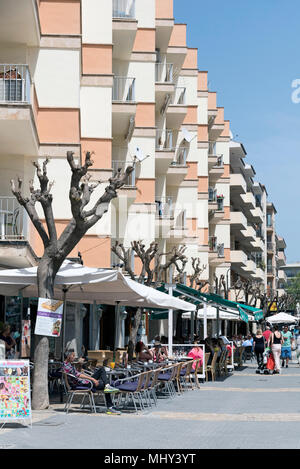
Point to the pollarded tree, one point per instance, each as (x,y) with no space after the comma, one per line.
(153,272)
(56,249)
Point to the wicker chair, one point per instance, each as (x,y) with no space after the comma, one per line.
(212,368)
(79,390)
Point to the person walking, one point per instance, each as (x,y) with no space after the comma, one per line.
(298,348)
(275,342)
(286,349)
(259,348)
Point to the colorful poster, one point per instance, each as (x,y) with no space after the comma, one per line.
(49,317)
(15,390)
(26,338)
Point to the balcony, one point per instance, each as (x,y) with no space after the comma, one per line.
(164,85)
(164,73)
(250,267)
(19,22)
(259,274)
(179,230)
(178,168)
(249,234)
(216,253)
(212,199)
(124,105)
(281,261)
(164,207)
(238,184)
(270,247)
(16,111)
(238,221)
(15,250)
(249,200)
(177,108)
(123,9)
(164,22)
(129,190)
(217,170)
(216,208)
(257,215)
(213,158)
(271,271)
(258,245)
(238,258)
(124,28)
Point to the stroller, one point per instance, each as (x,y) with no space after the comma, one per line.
(268,364)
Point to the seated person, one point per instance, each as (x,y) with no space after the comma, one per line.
(209,348)
(196,352)
(158,353)
(99,380)
(164,347)
(143,353)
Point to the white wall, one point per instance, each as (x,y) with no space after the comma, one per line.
(96,111)
(96,21)
(145,13)
(57,78)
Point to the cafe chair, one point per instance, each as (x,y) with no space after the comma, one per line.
(79,390)
(212,368)
(131,389)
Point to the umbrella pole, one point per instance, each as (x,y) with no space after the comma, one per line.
(117,325)
(205,321)
(63,336)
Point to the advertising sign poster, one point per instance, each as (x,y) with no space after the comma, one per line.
(49,317)
(25,340)
(15,390)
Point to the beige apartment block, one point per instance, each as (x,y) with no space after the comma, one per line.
(117,77)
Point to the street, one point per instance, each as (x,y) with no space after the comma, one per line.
(245,410)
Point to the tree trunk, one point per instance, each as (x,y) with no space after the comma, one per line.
(40,396)
(133,333)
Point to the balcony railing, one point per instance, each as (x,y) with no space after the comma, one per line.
(164,73)
(215,247)
(212,194)
(166,139)
(212,149)
(179,96)
(15,83)
(124,9)
(13,220)
(123,89)
(164,207)
(181,157)
(220,202)
(120,166)
(180,222)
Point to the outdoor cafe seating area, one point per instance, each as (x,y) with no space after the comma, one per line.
(141,384)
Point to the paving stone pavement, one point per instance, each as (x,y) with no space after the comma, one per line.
(245,410)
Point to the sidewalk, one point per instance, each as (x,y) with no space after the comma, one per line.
(245,410)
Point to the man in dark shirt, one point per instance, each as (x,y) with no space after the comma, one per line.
(99,380)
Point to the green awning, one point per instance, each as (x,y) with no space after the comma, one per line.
(159,315)
(196,297)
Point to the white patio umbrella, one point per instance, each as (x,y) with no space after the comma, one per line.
(281,318)
(87,284)
(78,283)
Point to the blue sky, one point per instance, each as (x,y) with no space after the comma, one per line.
(251,51)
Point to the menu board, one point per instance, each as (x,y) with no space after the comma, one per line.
(49,317)
(15,401)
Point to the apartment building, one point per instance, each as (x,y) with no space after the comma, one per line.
(118,78)
(248,220)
